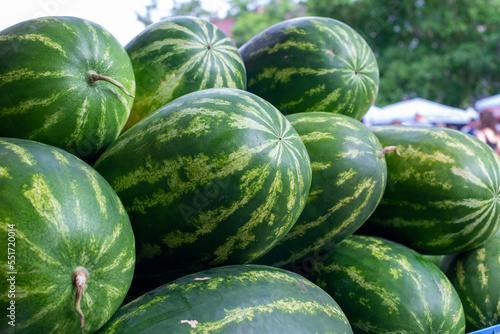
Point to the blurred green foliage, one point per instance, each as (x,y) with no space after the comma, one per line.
(442,50)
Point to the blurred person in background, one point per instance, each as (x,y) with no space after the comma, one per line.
(487,131)
(470,127)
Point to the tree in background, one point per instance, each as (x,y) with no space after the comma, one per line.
(251,16)
(444,51)
(189,8)
(254,16)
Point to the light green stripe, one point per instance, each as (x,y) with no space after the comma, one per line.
(469,177)
(4,173)
(200,170)
(100,197)
(420,223)
(26,291)
(328,100)
(276,153)
(47,309)
(77,135)
(316,136)
(78,216)
(107,244)
(287,306)
(208,220)
(170,25)
(298,230)
(27,105)
(35,250)
(421,176)
(46,204)
(469,230)
(288,44)
(178,46)
(345,176)
(471,203)
(240,121)
(413,153)
(482,269)
(50,121)
(27,74)
(35,38)
(129,265)
(245,235)
(226,67)
(166,88)
(318,166)
(387,298)
(141,309)
(223,52)
(117,262)
(285,74)
(61,158)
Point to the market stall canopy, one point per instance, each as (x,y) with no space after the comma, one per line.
(419,111)
(491,103)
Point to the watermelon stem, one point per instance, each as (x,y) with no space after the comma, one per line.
(80,276)
(93,77)
(387,149)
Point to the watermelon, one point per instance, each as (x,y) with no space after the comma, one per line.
(68,244)
(180,55)
(476,277)
(442,194)
(312,64)
(66,82)
(348,180)
(232,299)
(215,177)
(385,287)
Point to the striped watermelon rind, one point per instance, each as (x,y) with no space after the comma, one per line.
(312,64)
(58,215)
(215,177)
(476,277)
(442,194)
(232,299)
(385,287)
(348,180)
(46,92)
(180,55)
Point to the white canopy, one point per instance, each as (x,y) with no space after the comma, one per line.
(489,103)
(414,110)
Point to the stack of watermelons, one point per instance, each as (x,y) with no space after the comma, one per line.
(181,185)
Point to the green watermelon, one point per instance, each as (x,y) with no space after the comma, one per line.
(436,259)
(215,177)
(67,241)
(180,55)
(64,81)
(385,287)
(442,194)
(348,180)
(312,64)
(232,299)
(476,277)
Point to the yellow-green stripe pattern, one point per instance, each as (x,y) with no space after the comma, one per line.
(348,180)
(180,55)
(224,173)
(443,190)
(385,287)
(47,95)
(256,299)
(61,215)
(312,64)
